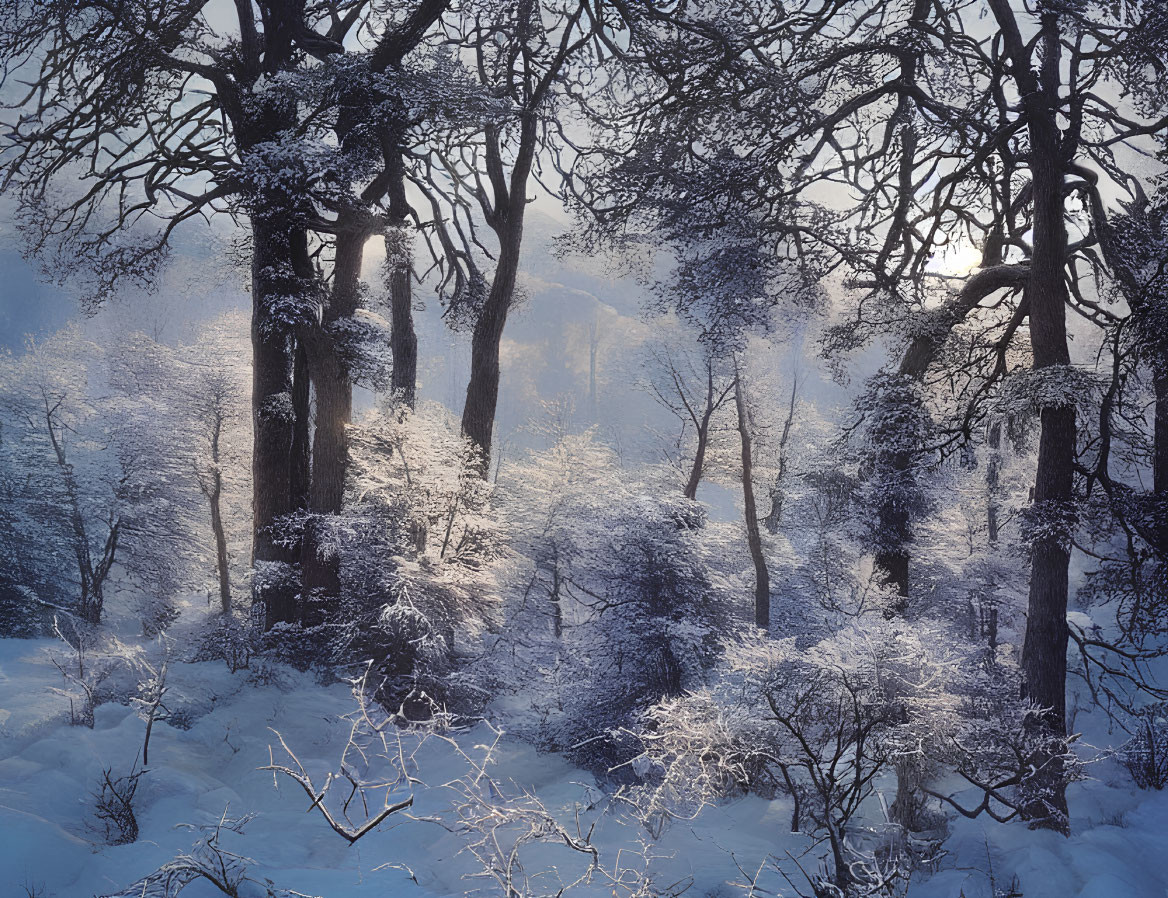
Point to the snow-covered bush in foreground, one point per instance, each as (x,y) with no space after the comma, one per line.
(209,861)
(818,724)
(827,724)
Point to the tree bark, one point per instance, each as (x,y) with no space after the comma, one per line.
(1044,652)
(332,380)
(714,402)
(333,391)
(993,482)
(221,562)
(299,473)
(762,586)
(1160,451)
(214,491)
(277,248)
(699,462)
(403,339)
(482,391)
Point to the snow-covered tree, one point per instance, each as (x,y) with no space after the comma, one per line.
(616,593)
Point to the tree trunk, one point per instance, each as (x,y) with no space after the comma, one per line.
(1044,652)
(762,586)
(993,482)
(334,411)
(274,417)
(299,473)
(713,403)
(399,261)
(892,562)
(482,391)
(1160,452)
(403,339)
(333,391)
(775,516)
(695,473)
(221,562)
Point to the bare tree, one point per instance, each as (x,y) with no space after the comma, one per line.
(214,411)
(523,55)
(693,391)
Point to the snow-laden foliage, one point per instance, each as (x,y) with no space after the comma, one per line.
(820,723)
(893,427)
(614,597)
(416,544)
(108,460)
(1056,386)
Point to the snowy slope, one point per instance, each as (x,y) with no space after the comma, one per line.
(49,770)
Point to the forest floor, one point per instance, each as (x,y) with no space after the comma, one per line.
(51,845)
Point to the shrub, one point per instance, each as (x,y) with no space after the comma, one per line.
(1145,755)
(114,807)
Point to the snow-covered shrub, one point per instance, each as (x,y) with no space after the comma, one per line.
(612,601)
(816,723)
(114,807)
(84,670)
(692,755)
(1145,755)
(415,546)
(226,638)
(293,645)
(209,861)
(1012,763)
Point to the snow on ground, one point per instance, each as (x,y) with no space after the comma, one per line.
(49,771)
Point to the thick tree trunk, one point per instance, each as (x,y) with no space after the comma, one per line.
(1044,653)
(482,391)
(1160,453)
(333,392)
(892,562)
(762,585)
(298,462)
(274,417)
(332,380)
